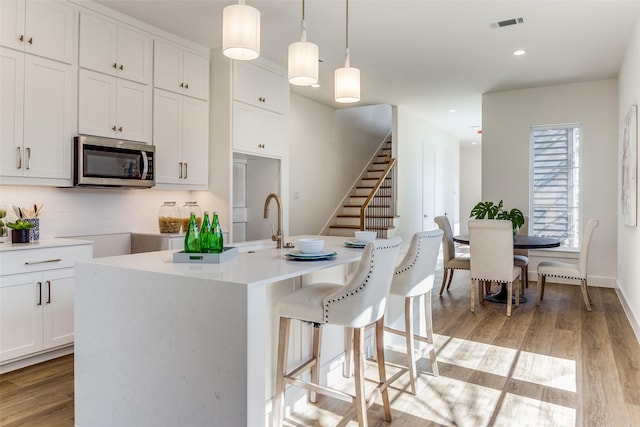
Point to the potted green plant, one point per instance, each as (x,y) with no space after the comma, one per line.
(20,230)
(489,210)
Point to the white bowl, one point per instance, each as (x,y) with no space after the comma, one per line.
(366,236)
(310,246)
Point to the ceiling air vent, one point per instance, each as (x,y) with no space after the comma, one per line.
(507,22)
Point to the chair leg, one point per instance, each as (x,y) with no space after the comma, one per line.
(445,273)
(382,373)
(509,297)
(429,324)
(360,401)
(585,293)
(347,369)
(519,290)
(526,276)
(315,368)
(451,271)
(283,344)
(408,328)
(473,295)
(541,280)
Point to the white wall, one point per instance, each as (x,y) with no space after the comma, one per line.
(470,182)
(628,237)
(412,132)
(506,121)
(328,150)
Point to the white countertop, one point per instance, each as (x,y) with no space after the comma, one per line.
(257,268)
(42,243)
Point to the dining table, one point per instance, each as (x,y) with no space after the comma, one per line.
(519,242)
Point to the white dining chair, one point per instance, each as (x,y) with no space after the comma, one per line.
(491,250)
(413,277)
(359,303)
(450,261)
(570,271)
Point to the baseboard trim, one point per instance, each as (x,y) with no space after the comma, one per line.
(35,359)
(635,324)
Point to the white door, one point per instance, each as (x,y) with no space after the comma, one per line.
(196,75)
(167,128)
(97,104)
(12,23)
(195,140)
(133,111)
(50,30)
(11,111)
(428,186)
(134,55)
(57,304)
(449,191)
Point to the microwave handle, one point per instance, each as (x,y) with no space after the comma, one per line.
(145,164)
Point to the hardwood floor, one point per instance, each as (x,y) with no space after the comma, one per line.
(556,365)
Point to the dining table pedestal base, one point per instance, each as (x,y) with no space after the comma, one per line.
(501,296)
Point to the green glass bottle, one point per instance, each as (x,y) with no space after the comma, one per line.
(192,238)
(215,240)
(205,233)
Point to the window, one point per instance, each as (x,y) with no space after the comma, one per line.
(555,183)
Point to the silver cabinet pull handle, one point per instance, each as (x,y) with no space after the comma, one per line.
(180,168)
(43,262)
(19,158)
(186,170)
(28,150)
(48,291)
(39,293)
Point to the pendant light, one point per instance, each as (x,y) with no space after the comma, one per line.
(303,59)
(347,79)
(241,31)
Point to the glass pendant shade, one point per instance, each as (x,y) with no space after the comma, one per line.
(303,63)
(241,31)
(347,85)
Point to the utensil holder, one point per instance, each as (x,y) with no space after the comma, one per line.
(34,233)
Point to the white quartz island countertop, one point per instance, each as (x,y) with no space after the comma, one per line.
(159,343)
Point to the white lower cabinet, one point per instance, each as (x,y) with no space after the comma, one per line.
(36,308)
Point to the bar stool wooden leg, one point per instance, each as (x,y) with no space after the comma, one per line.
(358,356)
(347,369)
(408,327)
(315,368)
(429,324)
(283,345)
(382,373)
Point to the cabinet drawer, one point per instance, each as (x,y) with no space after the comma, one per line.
(260,87)
(39,259)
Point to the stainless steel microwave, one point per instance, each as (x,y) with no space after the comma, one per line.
(107,162)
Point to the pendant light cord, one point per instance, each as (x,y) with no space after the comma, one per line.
(347,60)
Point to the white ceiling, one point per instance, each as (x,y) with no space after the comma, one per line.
(427,55)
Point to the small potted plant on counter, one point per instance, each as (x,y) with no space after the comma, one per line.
(489,210)
(20,230)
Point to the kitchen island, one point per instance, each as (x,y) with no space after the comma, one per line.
(159,343)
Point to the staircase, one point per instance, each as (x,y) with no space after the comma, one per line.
(379,214)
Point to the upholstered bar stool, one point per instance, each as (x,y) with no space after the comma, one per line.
(413,277)
(359,303)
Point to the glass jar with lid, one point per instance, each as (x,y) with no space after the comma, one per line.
(187,210)
(169,219)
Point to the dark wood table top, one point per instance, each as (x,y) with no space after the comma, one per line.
(521,242)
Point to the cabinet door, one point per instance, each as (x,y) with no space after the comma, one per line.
(49,113)
(259,86)
(196,75)
(134,55)
(167,135)
(133,111)
(57,305)
(195,140)
(258,131)
(167,66)
(96,104)
(98,44)
(20,315)
(12,23)
(11,111)
(50,30)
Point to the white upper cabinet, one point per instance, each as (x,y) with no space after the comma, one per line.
(259,86)
(114,108)
(180,70)
(43,28)
(38,110)
(114,49)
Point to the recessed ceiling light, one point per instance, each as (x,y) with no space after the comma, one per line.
(519,52)
(452,110)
